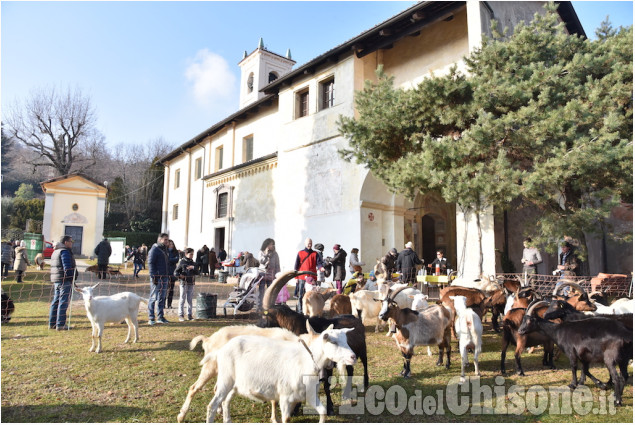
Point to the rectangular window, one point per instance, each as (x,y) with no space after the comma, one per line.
(302,104)
(219,159)
(175,212)
(221,205)
(198,168)
(327,93)
(177,178)
(248,148)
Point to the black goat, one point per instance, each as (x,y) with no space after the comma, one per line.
(284,317)
(559,309)
(7,308)
(595,339)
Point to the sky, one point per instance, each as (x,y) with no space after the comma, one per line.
(155,69)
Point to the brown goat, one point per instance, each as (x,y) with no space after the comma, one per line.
(341,304)
(475,299)
(313,301)
(511,323)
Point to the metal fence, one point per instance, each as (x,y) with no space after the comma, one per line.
(615,286)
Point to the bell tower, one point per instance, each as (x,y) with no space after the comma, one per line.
(258,69)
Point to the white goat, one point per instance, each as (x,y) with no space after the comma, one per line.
(621,306)
(420,303)
(214,343)
(265,369)
(110,309)
(469,331)
(367,305)
(402,298)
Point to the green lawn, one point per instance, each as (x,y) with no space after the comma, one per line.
(50,376)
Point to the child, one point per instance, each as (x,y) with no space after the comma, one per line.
(185,271)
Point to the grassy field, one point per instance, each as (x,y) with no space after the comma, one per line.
(49,376)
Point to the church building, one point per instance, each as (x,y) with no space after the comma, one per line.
(272,169)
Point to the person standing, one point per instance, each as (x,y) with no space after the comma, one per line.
(21,261)
(144,254)
(173,257)
(306,260)
(186,271)
(269,265)
(339,266)
(136,260)
(321,274)
(103,251)
(407,262)
(222,255)
(531,258)
(568,264)
(63,271)
(202,260)
(7,257)
(354,265)
(440,262)
(159,268)
(212,263)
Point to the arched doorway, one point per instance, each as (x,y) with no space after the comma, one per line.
(438,228)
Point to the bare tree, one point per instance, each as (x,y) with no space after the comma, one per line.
(54,124)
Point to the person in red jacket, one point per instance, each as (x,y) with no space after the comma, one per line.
(306,260)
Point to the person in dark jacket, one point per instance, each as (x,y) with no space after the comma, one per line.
(173,256)
(63,271)
(388,261)
(103,251)
(186,271)
(137,260)
(7,257)
(202,260)
(407,262)
(222,255)
(212,263)
(159,269)
(339,266)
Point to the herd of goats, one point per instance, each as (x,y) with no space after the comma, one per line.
(270,361)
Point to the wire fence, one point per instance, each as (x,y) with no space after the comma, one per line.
(35,292)
(614,286)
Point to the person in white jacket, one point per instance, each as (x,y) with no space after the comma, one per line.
(354,265)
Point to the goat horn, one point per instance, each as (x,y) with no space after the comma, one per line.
(272,291)
(577,286)
(565,282)
(535,304)
(391,295)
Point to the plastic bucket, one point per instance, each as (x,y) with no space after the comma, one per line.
(222,276)
(206,306)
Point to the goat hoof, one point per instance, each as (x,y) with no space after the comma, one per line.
(447,366)
(521,373)
(573,386)
(439,363)
(603,386)
(618,402)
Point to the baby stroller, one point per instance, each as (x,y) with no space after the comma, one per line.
(244,297)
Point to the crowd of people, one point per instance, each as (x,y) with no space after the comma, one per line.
(167,265)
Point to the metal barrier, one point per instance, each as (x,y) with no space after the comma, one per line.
(545,284)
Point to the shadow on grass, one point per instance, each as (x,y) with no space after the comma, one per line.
(70,413)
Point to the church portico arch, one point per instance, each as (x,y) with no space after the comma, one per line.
(436,222)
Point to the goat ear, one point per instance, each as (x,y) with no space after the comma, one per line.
(347,330)
(77,288)
(331,326)
(425,297)
(94,286)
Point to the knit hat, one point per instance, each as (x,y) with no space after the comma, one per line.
(319,247)
(354,250)
(409,245)
(336,246)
